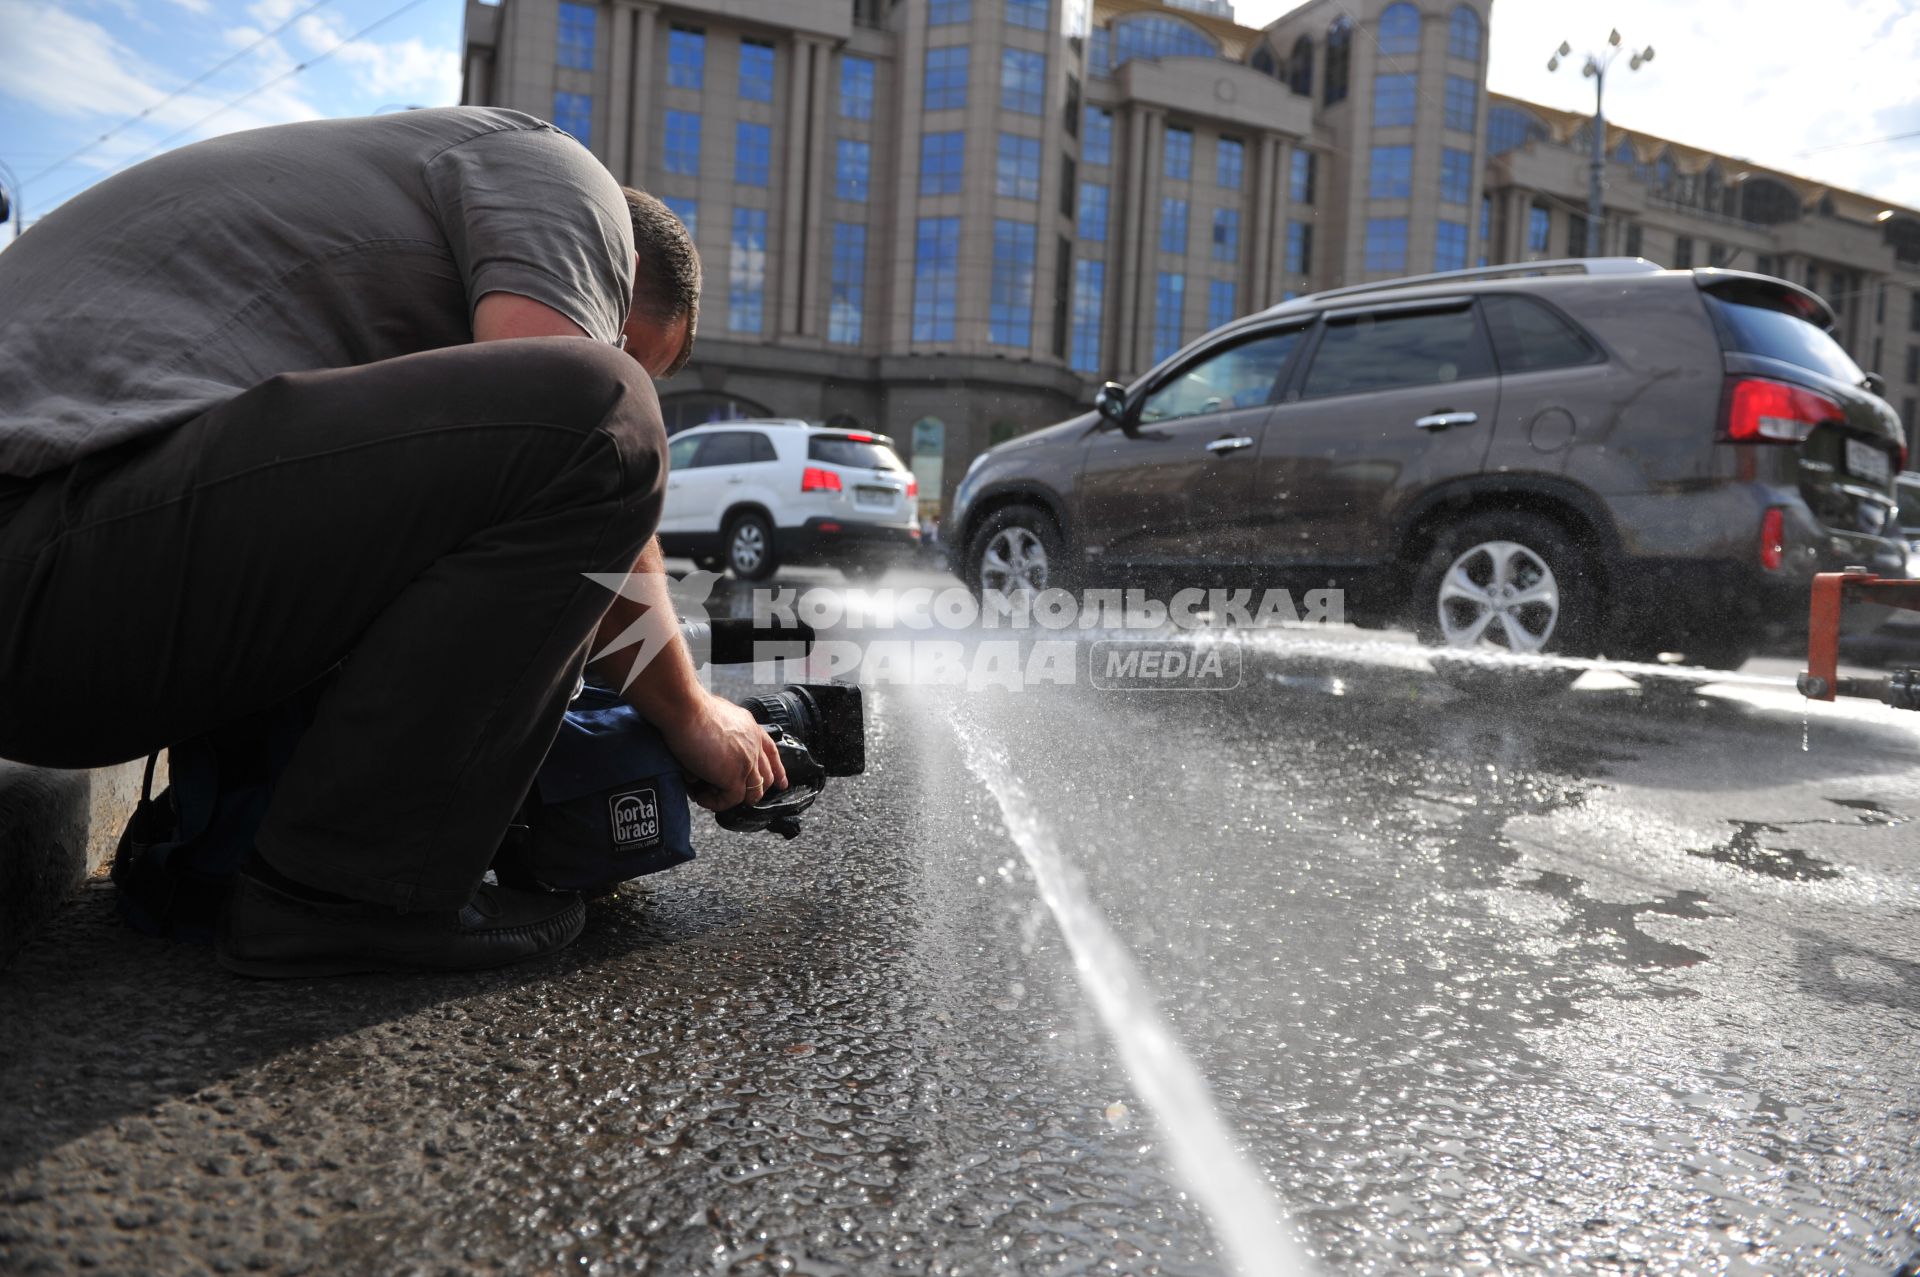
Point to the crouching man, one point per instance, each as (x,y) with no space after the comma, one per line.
(367,391)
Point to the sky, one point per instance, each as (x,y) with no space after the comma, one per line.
(1785,83)
(1766,80)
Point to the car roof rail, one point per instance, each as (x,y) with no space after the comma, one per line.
(1511,270)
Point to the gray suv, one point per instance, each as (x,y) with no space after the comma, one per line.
(1579,457)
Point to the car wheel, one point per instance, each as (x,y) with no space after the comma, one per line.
(750,547)
(1016,550)
(1507,582)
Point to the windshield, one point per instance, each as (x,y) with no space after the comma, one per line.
(848,450)
(1757,330)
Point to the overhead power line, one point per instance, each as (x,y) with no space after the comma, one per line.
(197,80)
(254,92)
(1872,141)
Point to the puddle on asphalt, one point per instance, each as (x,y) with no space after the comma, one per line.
(1750,848)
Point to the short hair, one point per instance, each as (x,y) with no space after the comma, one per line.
(666,282)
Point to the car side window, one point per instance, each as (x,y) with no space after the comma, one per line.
(729,448)
(1242,376)
(763,448)
(680,453)
(1528,336)
(1361,353)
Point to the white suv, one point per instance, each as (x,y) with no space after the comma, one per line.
(751,495)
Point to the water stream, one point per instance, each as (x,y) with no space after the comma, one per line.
(1249,1222)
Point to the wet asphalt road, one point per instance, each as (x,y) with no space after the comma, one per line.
(1610,983)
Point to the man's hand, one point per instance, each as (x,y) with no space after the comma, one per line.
(722,745)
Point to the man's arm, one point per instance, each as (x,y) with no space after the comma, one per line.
(714,739)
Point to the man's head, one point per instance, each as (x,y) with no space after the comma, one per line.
(666,287)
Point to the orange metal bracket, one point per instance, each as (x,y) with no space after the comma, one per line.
(1832,591)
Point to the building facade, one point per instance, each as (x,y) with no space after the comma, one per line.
(950,220)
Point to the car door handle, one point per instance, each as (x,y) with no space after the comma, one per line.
(735,479)
(1442,420)
(1221,447)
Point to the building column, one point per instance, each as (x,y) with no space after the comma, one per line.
(792,206)
(620,95)
(1136,257)
(1260,268)
(646,23)
(815,268)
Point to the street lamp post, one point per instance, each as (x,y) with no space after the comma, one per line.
(1596,69)
(10,201)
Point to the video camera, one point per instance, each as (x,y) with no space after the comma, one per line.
(611,803)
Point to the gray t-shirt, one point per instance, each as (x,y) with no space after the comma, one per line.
(172,287)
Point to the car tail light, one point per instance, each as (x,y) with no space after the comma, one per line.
(1760,411)
(913,488)
(1773,536)
(814,479)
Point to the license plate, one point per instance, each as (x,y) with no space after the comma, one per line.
(875,498)
(1868,462)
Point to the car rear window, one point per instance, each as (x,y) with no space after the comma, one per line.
(846,450)
(1382,352)
(1773,334)
(1528,336)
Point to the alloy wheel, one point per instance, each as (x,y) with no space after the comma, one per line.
(1015,561)
(1499,594)
(749,547)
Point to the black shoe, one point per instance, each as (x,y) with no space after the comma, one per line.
(269,933)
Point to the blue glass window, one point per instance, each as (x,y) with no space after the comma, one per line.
(1300,187)
(1228,163)
(1450,245)
(1463,103)
(1096,146)
(1010,309)
(1023,81)
(856,88)
(1463,34)
(946,87)
(688,211)
(847,283)
(1456,175)
(947,13)
(1299,248)
(1226,234)
(1173,225)
(1539,225)
(576,36)
(752,153)
(1509,127)
(1179,165)
(1221,306)
(1093,212)
(1027,13)
(1386,244)
(1089,297)
(936,278)
(942,157)
(1017,175)
(683,142)
(1158,37)
(852,164)
(1390,175)
(1169,301)
(756,71)
(686,58)
(573,113)
(1400,30)
(1394,97)
(747,271)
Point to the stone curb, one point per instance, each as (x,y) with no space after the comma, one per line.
(56,828)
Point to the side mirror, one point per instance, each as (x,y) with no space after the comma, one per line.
(1876,385)
(1111,403)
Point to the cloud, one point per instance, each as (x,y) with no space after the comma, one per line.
(1770,81)
(402,70)
(72,67)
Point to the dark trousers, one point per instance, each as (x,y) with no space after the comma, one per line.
(425,519)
